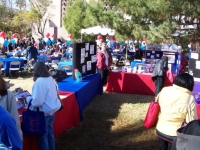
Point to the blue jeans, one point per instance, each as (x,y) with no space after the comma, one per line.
(47,141)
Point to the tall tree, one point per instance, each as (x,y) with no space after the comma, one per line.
(40,12)
(74,17)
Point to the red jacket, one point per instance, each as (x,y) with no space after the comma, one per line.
(101,60)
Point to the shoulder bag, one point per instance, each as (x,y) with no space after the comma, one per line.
(152,114)
(33,122)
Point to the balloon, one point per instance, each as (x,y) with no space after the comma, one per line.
(70,36)
(99,37)
(113,38)
(48,42)
(53,41)
(1,40)
(6,43)
(13,41)
(69,41)
(53,36)
(3,34)
(47,35)
(14,35)
(35,44)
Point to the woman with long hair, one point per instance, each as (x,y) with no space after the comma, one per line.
(44,96)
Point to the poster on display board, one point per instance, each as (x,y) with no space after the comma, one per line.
(173,58)
(194,64)
(84,58)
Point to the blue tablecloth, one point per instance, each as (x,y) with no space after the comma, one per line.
(118,55)
(68,63)
(85,91)
(42,57)
(7,63)
(133,63)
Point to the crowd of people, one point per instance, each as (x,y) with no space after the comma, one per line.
(30,47)
(174,108)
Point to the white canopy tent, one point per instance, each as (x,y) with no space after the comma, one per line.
(98,30)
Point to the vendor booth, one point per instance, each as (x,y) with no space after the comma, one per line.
(155,52)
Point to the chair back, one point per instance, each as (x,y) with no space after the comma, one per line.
(55,61)
(15,63)
(48,59)
(67,68)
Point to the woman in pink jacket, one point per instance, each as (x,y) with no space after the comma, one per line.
(104,61)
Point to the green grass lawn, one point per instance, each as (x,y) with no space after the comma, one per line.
(112,121)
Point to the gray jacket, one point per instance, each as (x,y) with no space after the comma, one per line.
(9,103)
(160,67)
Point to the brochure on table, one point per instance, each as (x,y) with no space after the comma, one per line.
(21,98)
(85,58)
(194,64)
(152,56)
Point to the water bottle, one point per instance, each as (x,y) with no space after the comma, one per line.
(191,72)
(78,76)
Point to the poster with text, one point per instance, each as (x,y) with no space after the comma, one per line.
(91,49)
(89,66)
(93,58)
(82,55)
(83,69)
(87,46)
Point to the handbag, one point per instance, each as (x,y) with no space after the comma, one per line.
(33,122)
(152,114)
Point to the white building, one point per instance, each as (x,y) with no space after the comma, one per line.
(55,24)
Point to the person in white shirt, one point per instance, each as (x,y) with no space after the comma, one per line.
(44,96)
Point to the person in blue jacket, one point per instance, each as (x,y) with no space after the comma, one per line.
(31,52)
(9,135)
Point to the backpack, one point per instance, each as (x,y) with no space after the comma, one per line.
(58,74)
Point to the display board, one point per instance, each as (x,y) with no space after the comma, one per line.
(85,58)
(152,56)
(194,64)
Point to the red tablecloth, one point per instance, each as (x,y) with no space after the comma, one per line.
(133,83)
(64,119)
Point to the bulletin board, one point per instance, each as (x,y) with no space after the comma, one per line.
(85,58)
(173,58)
(194,64)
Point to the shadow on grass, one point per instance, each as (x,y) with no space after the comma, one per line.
(105,128)
(23,75)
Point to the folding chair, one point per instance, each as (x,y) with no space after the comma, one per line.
(2,67)
(68,69)
(15,66)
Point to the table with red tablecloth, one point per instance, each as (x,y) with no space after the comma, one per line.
(67,118)
(134,83)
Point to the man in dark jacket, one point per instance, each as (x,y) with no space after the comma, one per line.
(31,52)
(159,72)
